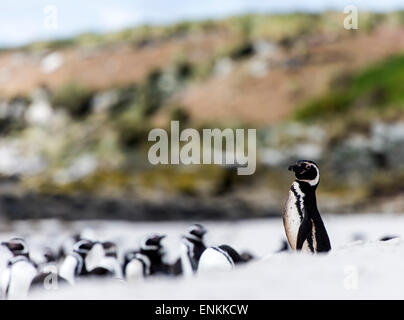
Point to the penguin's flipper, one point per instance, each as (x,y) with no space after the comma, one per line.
(304,230)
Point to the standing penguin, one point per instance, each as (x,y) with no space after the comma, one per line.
(192,247)
(304,227)
(73,265)
(16,279)
(136,266)
(78,264)
(146,261)
(109,260)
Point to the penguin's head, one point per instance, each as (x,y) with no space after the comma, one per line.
(247,256)
(17,246)
(83,247)
(196,232)
(110,249)
(306,171)
(152,242)
(130,255)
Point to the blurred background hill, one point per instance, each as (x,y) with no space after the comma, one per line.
(75,114)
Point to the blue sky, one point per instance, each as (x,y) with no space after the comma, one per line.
(23,21)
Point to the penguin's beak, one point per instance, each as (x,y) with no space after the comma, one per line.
(297,168)
(161,237)
(202,232)
(157,238)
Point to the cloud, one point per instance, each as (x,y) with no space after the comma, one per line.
(22,22)
(112,18)
(17,32)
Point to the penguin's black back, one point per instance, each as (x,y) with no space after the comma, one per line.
(313,216)
(323,242)
(234,255)
(199,248)
(176,268)
(157,266)
(99,272)
(161,268)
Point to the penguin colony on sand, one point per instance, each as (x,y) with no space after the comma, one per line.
(86,258)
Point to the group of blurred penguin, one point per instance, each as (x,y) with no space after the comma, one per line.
(87,258)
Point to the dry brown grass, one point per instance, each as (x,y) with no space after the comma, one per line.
(238,97)
(103,67)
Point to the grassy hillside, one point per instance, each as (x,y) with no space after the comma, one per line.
(378,87)
(75,113)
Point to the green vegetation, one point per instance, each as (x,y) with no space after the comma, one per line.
(180,114)
(378,87)
(102,182)
(132,127)
(133,122)
(149,94)
(73,97)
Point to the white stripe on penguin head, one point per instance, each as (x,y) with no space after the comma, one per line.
(316,180)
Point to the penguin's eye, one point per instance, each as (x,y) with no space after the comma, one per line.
(307,166)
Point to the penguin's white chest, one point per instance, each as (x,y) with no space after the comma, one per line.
(17,279)
(68,268)
(134,271)
(293,216)
(94,257)
(213,259)
(186,249)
